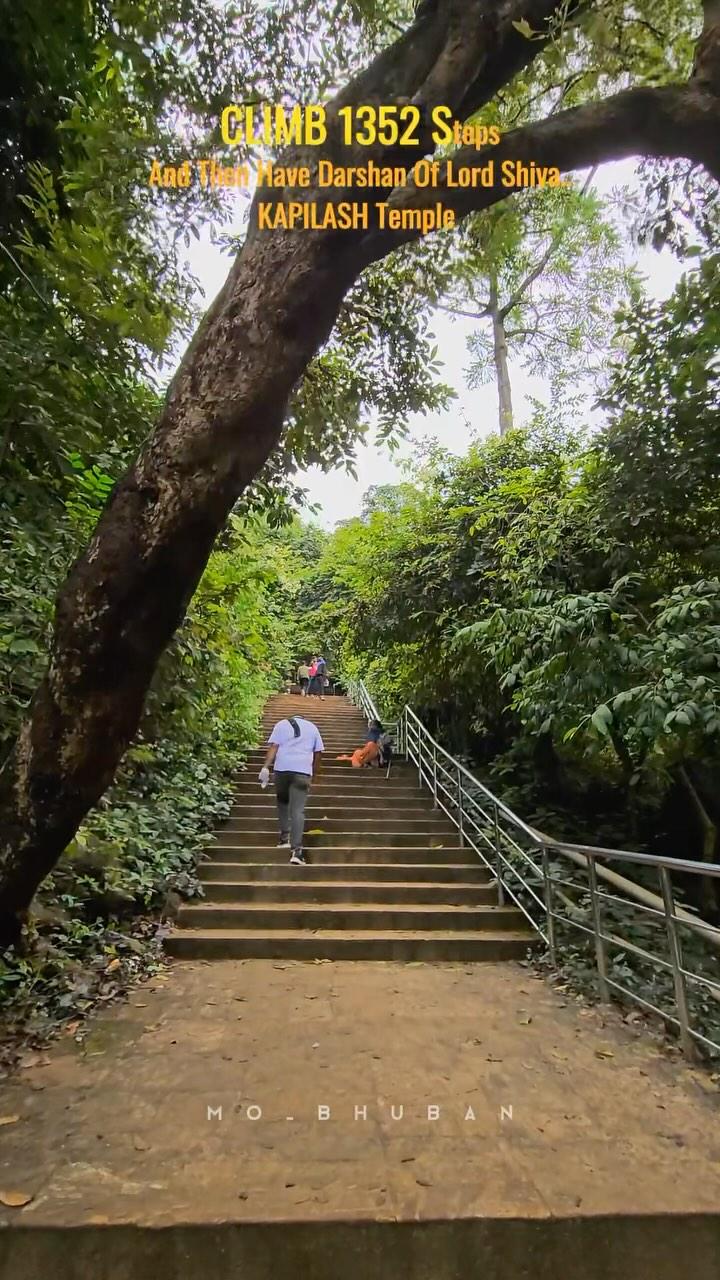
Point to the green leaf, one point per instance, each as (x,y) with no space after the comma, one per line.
(523,26)
(601,719)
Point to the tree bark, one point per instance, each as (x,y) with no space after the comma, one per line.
(224,413)
(500,357)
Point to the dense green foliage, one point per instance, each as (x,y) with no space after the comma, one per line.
(552,600)
(139,847)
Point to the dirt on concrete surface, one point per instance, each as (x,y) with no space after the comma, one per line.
(261,1091)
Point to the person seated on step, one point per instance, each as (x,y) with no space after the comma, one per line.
(369,754)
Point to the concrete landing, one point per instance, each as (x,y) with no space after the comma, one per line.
(531,1136)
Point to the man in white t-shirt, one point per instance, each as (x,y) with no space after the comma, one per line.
(294,752)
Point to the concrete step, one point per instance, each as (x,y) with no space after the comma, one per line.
(348,873)
(363,784)
(260,944)
(336,730)
(332,746)
(401,771)
(356,782)
(379,917)
(332,801)
(346,853)
(303,890)
(266,838)
(264,818)
(330,808)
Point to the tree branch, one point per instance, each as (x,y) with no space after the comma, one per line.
(460,311)
(674,122)
(536,271)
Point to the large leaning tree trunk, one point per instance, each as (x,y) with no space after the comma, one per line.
(127,593)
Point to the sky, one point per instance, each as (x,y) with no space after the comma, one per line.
(473,413)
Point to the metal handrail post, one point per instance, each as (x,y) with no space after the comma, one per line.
(600,952)
(419,759)
(435,793)
(461,811)
(681,1001)
(498,858)
(549,905)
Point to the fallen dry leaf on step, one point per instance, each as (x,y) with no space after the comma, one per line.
(112,966)
(140,1144)
(604,1053)
(525,1019)
(316,831)
(9,1119)
(15,1199)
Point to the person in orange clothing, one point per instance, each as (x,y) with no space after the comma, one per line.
(368,754)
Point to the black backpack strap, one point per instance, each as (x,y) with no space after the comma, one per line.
(295,726)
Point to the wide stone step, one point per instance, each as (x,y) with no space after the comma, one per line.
(359,820)
(258,944)
(350,852)
(361,782)
(303,889)
(347,743)
(342,733)
(364,783)
(333,766)
(379,916)
(425,836)
(336,802)
(342,818)
(349,873)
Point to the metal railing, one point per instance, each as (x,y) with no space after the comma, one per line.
(575,902)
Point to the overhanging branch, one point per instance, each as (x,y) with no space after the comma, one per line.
(674,122)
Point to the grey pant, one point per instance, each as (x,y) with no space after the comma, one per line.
(291,790)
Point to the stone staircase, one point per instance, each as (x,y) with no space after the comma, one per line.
(387,877)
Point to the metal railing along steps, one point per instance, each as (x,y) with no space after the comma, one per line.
(598,909)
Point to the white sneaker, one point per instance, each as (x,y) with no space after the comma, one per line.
(298,858)
(283,844)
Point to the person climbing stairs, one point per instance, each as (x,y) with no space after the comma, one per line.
(387,876)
